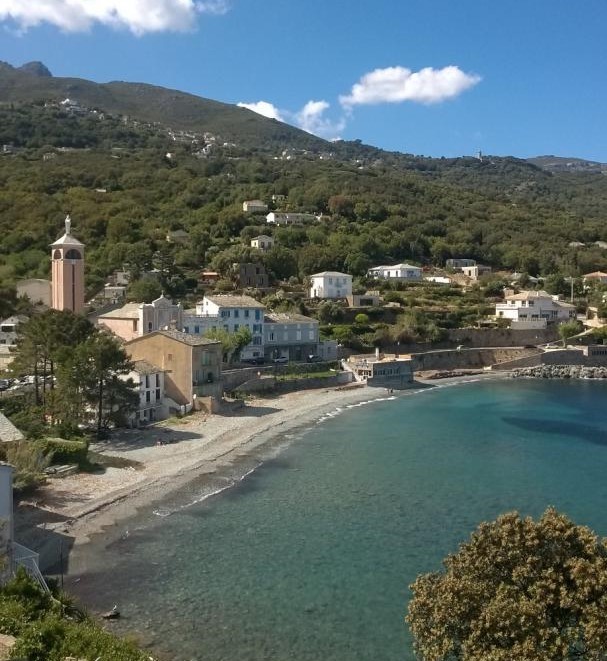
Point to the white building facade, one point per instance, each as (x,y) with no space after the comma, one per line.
(149,383)
(330,284)
(229,313)
(533,309)
(406,272)
(283,218)
(262,242)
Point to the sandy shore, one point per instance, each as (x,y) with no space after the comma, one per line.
(169,455)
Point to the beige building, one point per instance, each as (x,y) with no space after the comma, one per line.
(36,289)
(254,206)
(191,365)
(67,267)
(262,242)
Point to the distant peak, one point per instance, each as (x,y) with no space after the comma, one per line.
(36,69)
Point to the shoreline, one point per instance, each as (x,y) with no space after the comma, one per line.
(74,510)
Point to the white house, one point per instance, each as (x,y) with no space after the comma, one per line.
(476,271)
(149,382)
(262,242)
(330,284)
(405,272)
(283,218)
(229,313)
(533,309)
(254,206)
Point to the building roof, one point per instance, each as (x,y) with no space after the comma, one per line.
(144,367)
(67,239)
(8,431)
(262,236)
(397,266)
(335,274)
(596,274)
(186,338)
(287,317)
(127,311)
(229,301)
(15,319)
(528,295)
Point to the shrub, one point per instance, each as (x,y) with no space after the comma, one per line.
(29,461)
(62,451)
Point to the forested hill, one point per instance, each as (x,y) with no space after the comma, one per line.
(148,103)
(127,180)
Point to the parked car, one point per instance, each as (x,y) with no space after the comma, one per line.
(281,360)
(314,358)
(257,360)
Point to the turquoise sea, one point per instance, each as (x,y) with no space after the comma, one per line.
(310,556)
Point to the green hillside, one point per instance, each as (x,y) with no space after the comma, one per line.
(126,180)
(148,103)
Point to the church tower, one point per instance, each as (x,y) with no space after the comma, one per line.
(67,258)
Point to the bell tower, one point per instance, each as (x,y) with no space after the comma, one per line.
(67,259)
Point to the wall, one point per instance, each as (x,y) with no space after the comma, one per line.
(468,358)
(271,385)
(121,327)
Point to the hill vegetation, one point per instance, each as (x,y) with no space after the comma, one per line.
(131,161)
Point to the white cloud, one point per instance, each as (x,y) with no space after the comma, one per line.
(311,118)
(397,84)
(138,16)
(264,108)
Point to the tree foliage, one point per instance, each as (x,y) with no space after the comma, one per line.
(518,589)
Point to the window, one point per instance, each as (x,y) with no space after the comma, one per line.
(147,380)
(186,329)
(197,330)
(236,314)
(147,396)
(169,357)
(150,326)
(157,394)
(157,380)
(236,327)
(246,314)
(271,337)
(257,315)
(298,335)
(225,313)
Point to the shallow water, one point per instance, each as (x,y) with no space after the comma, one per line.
(310,556)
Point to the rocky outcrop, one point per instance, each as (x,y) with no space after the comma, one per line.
(561,372)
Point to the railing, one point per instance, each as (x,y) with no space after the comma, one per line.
(21,556)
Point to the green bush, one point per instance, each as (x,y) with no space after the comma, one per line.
(45,632)
(62,451)
(29,461)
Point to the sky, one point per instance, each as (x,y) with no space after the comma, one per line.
(431,77)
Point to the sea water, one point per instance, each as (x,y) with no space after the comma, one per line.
(309,558)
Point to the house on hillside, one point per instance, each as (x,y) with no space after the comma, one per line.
(476,271)
(283,218)
(262,242)
(402,272)
(254,206)
(330,284)
(8,337)
(458,263)
(533,309)
(251,275)
(596,276)
(177,236)
(191,366)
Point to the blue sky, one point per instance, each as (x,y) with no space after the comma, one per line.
(434,77)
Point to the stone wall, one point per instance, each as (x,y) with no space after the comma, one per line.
(468,358)
(562,372)
(269,384)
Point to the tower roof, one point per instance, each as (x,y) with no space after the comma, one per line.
(67,239)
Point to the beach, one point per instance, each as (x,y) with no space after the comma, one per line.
(66,512)
(167,456)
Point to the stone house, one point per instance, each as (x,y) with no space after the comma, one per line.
(191,366)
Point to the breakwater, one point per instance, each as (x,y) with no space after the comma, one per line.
(561,372)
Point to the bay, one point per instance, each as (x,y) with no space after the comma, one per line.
(310,556)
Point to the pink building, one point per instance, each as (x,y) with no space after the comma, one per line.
(67,282)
